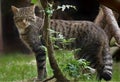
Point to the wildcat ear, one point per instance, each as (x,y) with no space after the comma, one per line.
(14,9)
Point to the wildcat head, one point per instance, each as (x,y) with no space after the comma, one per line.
(23,17)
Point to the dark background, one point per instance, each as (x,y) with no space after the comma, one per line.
(86,10)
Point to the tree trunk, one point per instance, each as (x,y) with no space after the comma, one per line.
(113,4)
(1,42)
(107,19)
(53,63)
(46,34)
(113,25)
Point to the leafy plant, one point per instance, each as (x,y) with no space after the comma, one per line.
(78,69)
(57,37)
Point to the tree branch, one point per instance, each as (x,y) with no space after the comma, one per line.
(106,19)
(46,34)
(48,79)
(111,21)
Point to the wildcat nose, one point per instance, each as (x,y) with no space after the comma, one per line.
(24,21)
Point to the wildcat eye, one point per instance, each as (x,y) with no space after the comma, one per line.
(31,18)
(18,19)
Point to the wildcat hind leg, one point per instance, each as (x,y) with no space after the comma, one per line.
(93,54)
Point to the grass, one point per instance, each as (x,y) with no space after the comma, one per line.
(18,67)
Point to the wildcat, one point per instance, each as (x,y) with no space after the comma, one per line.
(90,38)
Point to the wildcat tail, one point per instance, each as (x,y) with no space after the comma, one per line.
(106,72)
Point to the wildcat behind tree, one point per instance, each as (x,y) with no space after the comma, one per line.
(90,38)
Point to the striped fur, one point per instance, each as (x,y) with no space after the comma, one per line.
(90,38)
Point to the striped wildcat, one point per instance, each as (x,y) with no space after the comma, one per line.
(90,38)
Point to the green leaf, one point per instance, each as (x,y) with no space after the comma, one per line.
(56,47)
(49,11)
(43,48)
(53,31)
(34,1)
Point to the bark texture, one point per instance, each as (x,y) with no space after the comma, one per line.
(107,19)
(46,34)
(113,4)
(1,38)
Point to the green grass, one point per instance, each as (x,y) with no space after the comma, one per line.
(116,72)
(19,67)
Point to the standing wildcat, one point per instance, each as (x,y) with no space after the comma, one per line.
(90,38)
